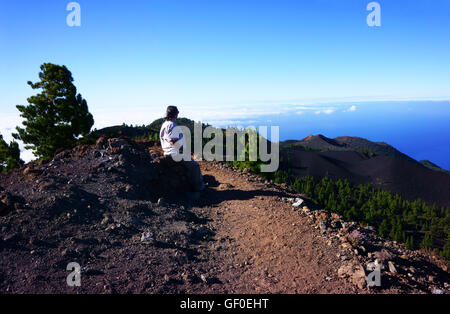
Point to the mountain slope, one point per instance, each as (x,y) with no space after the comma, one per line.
(398,175)
(363,161)
(348,143)
(433,166)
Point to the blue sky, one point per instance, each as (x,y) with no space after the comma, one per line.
(131,58)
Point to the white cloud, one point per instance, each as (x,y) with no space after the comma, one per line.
(317,109)
(306,108)
(352,108)
(326,111)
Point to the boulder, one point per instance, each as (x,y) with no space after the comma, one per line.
(298,202)
(101,142)
(31,173)
(306,210)
(383,256)
(392,268)
(355,273)
(344,271)
(61,155)
(323,226)
(6,202)
(359,277)
(147,237)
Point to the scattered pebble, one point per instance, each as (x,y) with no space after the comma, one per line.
(147,237)
(298,202)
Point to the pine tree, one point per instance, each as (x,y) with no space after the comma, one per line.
(410,242)
(9,155)
(427,242)
(446,250)
(57,116)
(384,228)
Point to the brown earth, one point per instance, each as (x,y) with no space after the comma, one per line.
(93,204)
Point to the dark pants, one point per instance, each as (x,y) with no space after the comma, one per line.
(194,173)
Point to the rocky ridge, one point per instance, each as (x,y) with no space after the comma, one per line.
(119,209)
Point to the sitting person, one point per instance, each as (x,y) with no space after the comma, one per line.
(172,143)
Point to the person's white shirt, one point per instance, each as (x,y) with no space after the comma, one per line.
(171,132)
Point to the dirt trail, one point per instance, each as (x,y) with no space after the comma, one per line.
(265,246)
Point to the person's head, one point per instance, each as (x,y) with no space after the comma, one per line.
(171,113)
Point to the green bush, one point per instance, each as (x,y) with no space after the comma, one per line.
(9,155)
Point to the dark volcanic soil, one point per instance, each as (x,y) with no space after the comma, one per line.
(402,176)
(123,214)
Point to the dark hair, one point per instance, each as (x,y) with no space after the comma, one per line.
(171,112)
